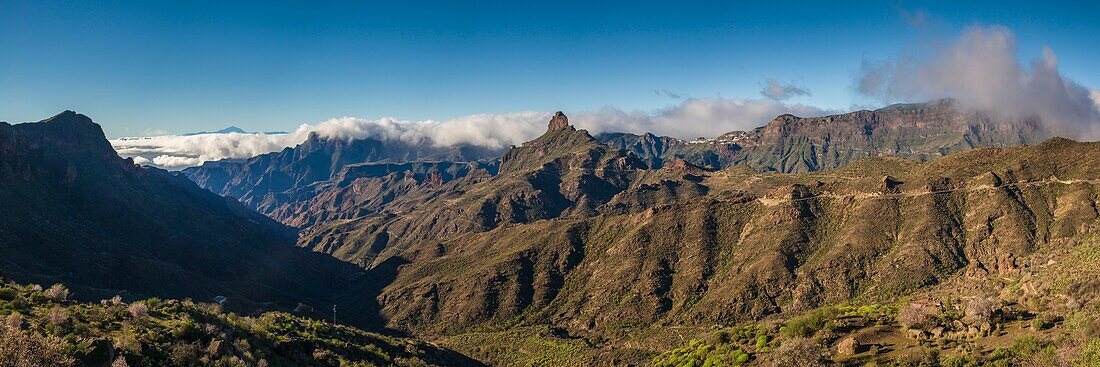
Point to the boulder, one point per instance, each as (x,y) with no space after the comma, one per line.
(849,346)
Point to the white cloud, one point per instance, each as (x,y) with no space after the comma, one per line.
(169,161)
(776,91)
(694,117)
(980,70)
(173,151)
(180,151)
(690,119)
(486,130)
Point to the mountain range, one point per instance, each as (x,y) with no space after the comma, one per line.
(916,232)
(917,131)
(232,130)
(920,132)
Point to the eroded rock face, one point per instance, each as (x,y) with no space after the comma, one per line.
(788,143)
(559,122)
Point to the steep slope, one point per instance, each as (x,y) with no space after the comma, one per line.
(653,149)
(684,246)
(564,172)
(76,213)
(257,179)
(366,188)
(920,131)
(284,185)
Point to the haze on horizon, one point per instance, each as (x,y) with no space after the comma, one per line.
(490,74)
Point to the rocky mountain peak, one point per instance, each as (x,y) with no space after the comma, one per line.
(68,132)
(560,122)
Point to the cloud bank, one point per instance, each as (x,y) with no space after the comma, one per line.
(694,117)
(180,151)
(981,71)
(690,119)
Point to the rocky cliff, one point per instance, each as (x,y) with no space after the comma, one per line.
(919,131)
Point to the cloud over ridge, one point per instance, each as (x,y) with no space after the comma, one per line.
(689,119)
(981,71)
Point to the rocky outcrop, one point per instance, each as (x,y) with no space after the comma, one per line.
(560,122)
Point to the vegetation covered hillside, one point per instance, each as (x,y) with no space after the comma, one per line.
(41,327)
(576,247)
(1048,315)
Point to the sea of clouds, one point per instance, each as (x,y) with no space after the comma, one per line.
(978,68)
(691,118)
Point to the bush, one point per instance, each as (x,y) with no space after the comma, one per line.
(57,293)
(14,321)
(980,309)
(1089,356)
(699,354)
(185,354)
(138,310)
(186,330)
(809,323)
(761,341)
(1026,351)
(26,348)
(925,357)
(958,361)
(58,316)
(8,294)
(918,316)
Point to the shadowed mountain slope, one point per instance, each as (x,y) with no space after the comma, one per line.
(76,213)
(260,181)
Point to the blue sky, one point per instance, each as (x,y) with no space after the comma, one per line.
(141,67)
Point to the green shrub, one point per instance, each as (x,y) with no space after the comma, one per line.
(186,330)
(699,354)
(8,294)
(1089,356)
(761,341)
(806,325)
(958,361)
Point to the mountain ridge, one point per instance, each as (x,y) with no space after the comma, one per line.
(78,213)
(550,270)
(789,143)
